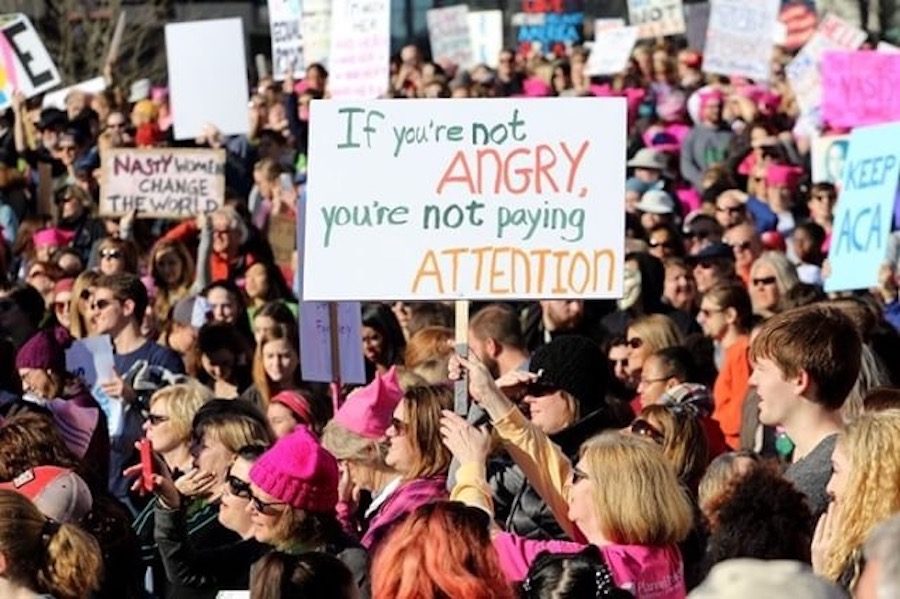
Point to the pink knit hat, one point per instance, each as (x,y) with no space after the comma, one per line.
(299,472)
(297,403)
(367,411)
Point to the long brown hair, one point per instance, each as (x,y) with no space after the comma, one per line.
(423,405)
(166,296)
(279,332)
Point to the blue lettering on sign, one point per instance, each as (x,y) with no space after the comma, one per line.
(557,27)
(859,230)
(870,172)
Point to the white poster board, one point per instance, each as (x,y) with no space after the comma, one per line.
(513,199)
(656,18)
(828,156)
(315,342)
(359,60)
(739,40)
(486,36)
(285,29)
(207,76)
(611,51)
(25,64)
(57,99)
(448,33)
(316,36)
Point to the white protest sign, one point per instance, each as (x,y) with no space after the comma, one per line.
(315,342)
(360,48)
(287,37)
(605,24)
(207,76)
(57,99)
(739,40)
(25,65)
(611,51)
(656,18)
(486,36)
(804,71)
(514,199)
(316,37)
(162,182)
(448,32)
(91,359)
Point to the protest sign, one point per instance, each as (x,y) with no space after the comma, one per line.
(696,18)
(57,99)
(606,24)
(25,65)
(91,360)
(799,20)
(360,48)
(513,199)
(448,32)
(486,36)
(803,72)
(739,38)
(315,342)
(860,88)
(287,37)
(829,154)
(863,214)
(656,18)
(316,36)
(207,76)
(549,25)
(611,51)
(162,182)
(282,235)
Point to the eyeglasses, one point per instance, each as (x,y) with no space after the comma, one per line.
(742,246)
(401,427)
(111,254)
(237,487)
(156,419)
(730,210)
(578,475)
(666,244)
(102,304)
(642,428)
(764,281)
(635,342)
(263,507)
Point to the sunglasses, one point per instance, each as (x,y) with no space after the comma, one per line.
(665,244)
(635,342)
(156,419)
(741,247)
(111,254)
(642,428)
(237,487)
(101,304)
(401,427)
(264,508)
(764,281)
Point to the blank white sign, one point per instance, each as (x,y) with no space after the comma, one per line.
(207,76)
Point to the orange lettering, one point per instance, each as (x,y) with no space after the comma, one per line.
(434,271)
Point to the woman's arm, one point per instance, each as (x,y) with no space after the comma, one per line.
(202,276)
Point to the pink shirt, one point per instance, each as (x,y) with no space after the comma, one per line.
(648,572)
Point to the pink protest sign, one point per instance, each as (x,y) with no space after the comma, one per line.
(860,88)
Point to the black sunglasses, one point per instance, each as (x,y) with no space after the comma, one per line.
(101,304)
(263,507)
(112,254)
(764,281)
(155,419)
(742,246)
(666,244)
(237,487)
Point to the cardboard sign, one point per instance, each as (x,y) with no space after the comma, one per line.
(863,214)
(207,76)
(25,64)
(162,182)
(656,18)
(697,22)
(360,48)
(860,88)
(739,38)
(486,36)
(315,342)
(512,199)
(829,154)
(316,36)
(611,51)
(282,234)
(287,37)
(57,99)
(448,32)
(804,71)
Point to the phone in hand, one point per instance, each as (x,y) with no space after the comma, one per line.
(146,464)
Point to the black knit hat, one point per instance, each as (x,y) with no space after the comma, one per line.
(576,365)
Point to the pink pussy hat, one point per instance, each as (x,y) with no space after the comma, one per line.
(368,411)
(298,471)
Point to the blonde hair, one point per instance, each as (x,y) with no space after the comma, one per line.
(719,475)
(872,445)
(182,401)
(657,332)
(785,275)
(637,495)
(427,345)
(45,557)
(78,327)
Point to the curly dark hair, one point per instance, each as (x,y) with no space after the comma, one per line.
(762,516)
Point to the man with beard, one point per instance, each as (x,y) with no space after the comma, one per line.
(495,337)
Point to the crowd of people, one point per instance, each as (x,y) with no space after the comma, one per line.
(724,429)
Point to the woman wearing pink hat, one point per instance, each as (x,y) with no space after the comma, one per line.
(389,444)
(293,494)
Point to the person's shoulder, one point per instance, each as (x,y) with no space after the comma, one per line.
(160,355)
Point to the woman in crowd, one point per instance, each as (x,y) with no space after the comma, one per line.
(289,409)
(172,270)
(383,342)
(293,498)
(647,335)
(676,428)
(312,575)
(116,256)
(276,366)
(771,277)
(726,317)
(224,358)
(41,556)
(79,308)
(264,283)
(680,290)
(428,352)
(62,303)
(450,543)
(271,314)
(636,522)
(865,487)
(168,425)
(226,304)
